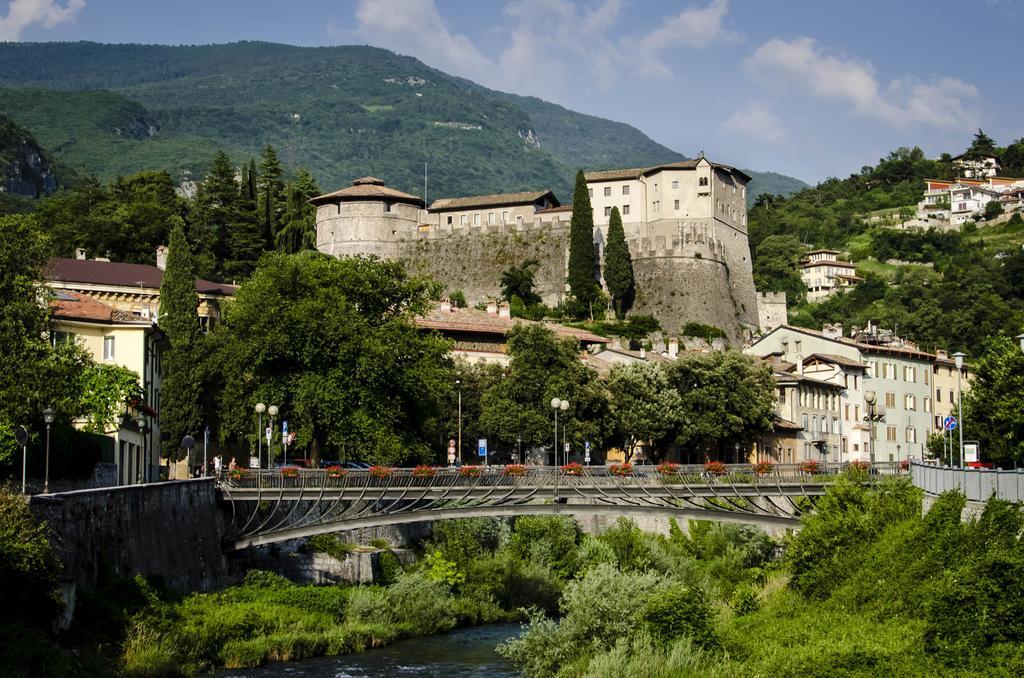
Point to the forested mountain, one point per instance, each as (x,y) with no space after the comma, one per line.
(341,112)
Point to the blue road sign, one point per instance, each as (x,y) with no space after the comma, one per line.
(481,447)
(949,423)
(284,429)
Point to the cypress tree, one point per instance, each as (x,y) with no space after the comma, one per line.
(581,278)
(272,198)
(180,413)
(618,265)
(216,209)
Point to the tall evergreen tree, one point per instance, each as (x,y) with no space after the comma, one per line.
(245,238)
(272,197)
(618,266)
(299,231)
(581,278)
(216,208)
(982,144)
(180,412)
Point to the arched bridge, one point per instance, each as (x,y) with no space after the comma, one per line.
(273,506)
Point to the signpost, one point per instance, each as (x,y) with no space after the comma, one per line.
(451,451)
(481,450)
(284,440)
(949,423)
(21,437)
(586,452)
(971,452)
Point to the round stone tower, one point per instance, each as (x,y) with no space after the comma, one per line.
(366,218)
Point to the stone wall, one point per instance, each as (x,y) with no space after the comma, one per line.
(678,289)
(167,532)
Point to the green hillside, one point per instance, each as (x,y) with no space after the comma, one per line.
(339,111)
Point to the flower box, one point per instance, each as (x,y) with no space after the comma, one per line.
(336,472)
(424,471)
(862,466)
(289,472)
(810,467)
(905,465)
(236,474)
(381,471)
(668,469)
(515,470)
(573,469)
(471,471)
(763,468)
(715,468)
(621,470)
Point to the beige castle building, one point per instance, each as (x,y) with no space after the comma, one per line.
(685,224)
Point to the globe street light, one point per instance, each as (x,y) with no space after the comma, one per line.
(48,418)
(870,398)
(272,411)
(260,409)
(958,358)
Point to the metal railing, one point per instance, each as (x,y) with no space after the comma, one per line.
(976,484)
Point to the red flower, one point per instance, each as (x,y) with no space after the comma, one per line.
(715,468)
(763,468)
(424,471)
(810,466)
(573,469)
(336,472)
(667,468)
(905,465)
(860,466)
(515,470)
(381,471)
(621,470)
(289,472)
(471,471)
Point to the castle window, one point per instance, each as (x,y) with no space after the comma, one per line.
(590,192)
(449,220)
(504,217)
(675,184)
(463,220)
(607,191)
(607,211)
(677,204)
(625,189)
(519,220)
(108,348)
(655,188)
(490,217)
(703,181)
(476,219)
(625,210)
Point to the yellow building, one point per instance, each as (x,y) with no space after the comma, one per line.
(116,337)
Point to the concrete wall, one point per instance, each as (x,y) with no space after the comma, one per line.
(168,532)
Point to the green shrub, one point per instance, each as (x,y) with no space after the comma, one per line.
(329,544)
(676,612)
(629,544)
(745,600)
(390,567)
(423,605)
(380,544)
(28,566)
(548,539)
(368,605)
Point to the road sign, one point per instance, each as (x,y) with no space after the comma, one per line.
(481,447)
(949,423)
(586,451)
(21,436)
(970,452)
(270,432)
(284,429)
(567,447)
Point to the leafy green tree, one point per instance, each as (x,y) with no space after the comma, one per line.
(776,264)
(582,265)
(993,209)
(542,368)
(618,266)
(981,145)
(1011,162)
(645,406)
(272,196)
(332,343)
(517,281)
(28,566)
(180,412)
(993,404)
(727,397)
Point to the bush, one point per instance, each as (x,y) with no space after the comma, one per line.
(679,612)
(745,600)
(329,544)
(28,566)
(629,544)
(423,605)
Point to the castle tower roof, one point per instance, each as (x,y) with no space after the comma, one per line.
(368,189)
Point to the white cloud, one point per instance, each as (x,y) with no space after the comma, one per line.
(756,121)
(544,41)
(945,102)
(23,13)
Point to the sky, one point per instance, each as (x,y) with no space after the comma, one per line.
(809,88)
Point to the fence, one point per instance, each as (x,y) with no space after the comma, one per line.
(976,484)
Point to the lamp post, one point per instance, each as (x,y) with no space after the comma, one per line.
(21,437)
(140,420)
(48,418)
(458,385)
(958,358)
(870,398)
(556,405)
(260,409)
(187,443)
(272,411)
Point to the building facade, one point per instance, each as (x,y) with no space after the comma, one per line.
(685,224)
(824,274)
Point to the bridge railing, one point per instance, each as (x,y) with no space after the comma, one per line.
(546,476)
(976,484)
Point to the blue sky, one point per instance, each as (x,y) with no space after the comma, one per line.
(806,88)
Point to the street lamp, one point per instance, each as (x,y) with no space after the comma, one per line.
(260,409)
(187,443)
(140,419)
(21,437)
(870,398)
(272,411)
(958,358)
(458,385)
(556,405)
(48,418)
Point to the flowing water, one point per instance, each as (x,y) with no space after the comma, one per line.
(464,653)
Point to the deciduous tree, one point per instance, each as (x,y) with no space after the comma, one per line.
(645,406)
(993,412)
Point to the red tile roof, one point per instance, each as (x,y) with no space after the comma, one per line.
(117,273)
(368,188)
(495,200)
(74,306)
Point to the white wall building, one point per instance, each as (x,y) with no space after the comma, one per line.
(824,274)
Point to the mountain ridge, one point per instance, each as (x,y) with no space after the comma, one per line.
(339,111)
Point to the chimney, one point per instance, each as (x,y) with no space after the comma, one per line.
(446,305)
(80,253)
(492,307)
(832,331)
(504,310)
(800,365)
(673,348)
(161,257)
(942,354)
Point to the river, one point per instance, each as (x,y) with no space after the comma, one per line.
(463,653)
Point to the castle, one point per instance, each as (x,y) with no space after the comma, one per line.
(685,223)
